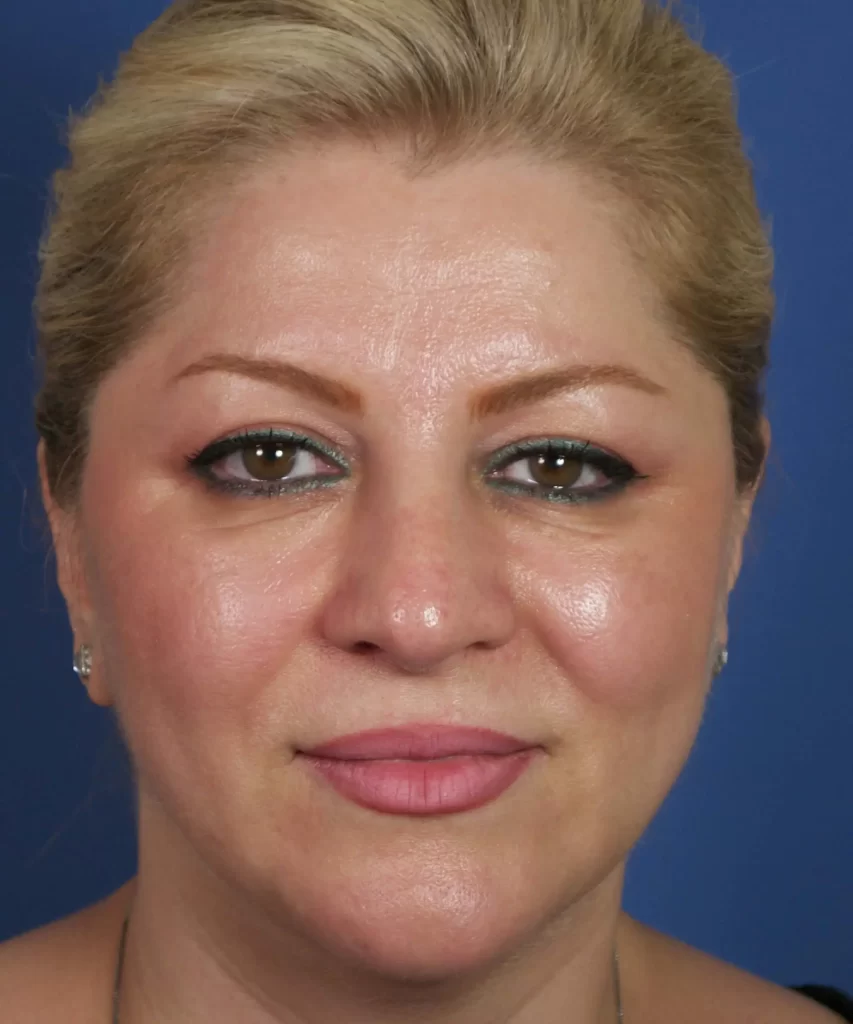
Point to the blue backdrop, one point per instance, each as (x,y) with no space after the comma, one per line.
(750,857)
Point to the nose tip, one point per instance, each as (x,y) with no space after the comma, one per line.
(419,598)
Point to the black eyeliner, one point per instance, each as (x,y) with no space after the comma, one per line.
(611,464)
(235,442)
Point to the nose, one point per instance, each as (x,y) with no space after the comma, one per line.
(420,583)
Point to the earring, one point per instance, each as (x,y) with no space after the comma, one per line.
(83,662)
(722,661)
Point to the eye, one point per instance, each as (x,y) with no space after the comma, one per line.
(265,464)
(565,471)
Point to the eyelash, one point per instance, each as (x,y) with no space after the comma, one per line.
(621,473)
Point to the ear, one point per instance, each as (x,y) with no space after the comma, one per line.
(743,511)
(741,517)
(66,532)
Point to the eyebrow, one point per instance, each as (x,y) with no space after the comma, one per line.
(498,398)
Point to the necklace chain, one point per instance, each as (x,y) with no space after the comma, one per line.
(120,965)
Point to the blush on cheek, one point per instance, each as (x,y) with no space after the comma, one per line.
(629,636)
(199,626)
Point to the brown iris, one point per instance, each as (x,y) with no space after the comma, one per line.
(271,460)
(554,469)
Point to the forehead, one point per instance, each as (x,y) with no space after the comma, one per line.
(489,267)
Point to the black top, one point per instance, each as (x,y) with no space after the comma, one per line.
(832,998)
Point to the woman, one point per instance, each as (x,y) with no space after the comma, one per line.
(476,294)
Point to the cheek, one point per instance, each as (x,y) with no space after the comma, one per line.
(195,620)
(629,622)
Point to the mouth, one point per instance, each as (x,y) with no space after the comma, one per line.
(419,786)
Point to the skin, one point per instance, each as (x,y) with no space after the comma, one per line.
(229,631)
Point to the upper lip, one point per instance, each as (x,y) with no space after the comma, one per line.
(418,742)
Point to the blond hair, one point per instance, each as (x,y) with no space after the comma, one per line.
(616,86)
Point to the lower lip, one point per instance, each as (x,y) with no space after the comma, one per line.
(444,786)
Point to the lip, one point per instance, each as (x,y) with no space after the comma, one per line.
(421,742)
(421,787)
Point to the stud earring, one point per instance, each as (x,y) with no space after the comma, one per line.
(721,662)
(83,662)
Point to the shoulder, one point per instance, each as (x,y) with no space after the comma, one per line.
(692,985)
(63,971)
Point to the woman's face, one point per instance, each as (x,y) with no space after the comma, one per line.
(417,584)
